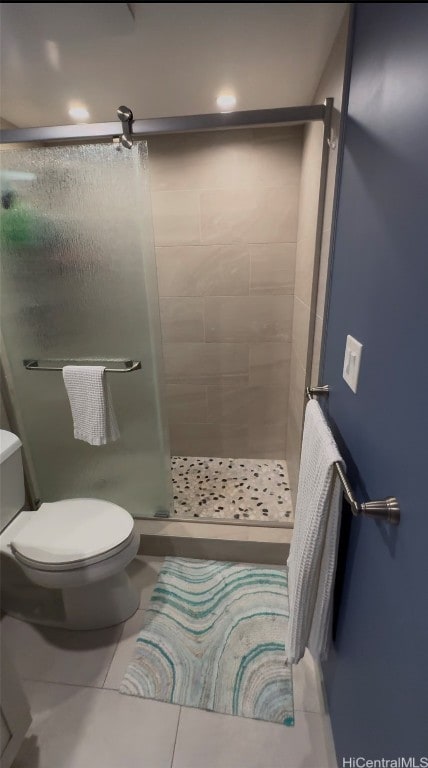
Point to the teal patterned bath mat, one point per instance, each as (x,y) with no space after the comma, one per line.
(213,638)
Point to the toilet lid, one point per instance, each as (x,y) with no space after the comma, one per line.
(73,529)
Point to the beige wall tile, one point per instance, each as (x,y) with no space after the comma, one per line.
(227,440)
(252,318)
(322,282)
(186,403)
(226,215)
(270,363)
(225,209)
(201,363)
(267,441)
(310,181)
(269,405)
(203,270)
(182,319)
(296,405)
(300,336)
(226,159)
(176,217)
(241,405)
(249,215)
(230,405)
(274,217)
(202,161)
(296,402)
(305,257)
(191,439)
(268,422)
(232,440)
(272,268)
(277,157)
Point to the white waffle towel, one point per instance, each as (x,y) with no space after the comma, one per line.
(313,550)
(91,404)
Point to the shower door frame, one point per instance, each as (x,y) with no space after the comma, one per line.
(143,129)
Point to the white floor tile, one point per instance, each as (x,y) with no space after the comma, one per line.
(144,572)
(60,656)
(221,741)
(89,728)
(124,651)
(307,690)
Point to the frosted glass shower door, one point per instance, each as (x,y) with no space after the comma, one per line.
(79,284)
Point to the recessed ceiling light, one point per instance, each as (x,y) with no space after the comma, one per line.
(226,102)
(79,113)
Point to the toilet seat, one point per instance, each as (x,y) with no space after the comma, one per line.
(73,533)
(73,564)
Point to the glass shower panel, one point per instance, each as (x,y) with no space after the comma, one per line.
(79,284)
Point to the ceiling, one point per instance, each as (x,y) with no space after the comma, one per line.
(159,58)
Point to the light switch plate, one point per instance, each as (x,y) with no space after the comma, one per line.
(351,363)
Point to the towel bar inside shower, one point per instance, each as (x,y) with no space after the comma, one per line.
(52,365)
(387,509)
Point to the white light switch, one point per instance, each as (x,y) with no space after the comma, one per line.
(351,363)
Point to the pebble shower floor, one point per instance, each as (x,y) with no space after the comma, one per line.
(231,489)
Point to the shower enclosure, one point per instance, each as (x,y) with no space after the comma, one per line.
(225,214)
(79,285)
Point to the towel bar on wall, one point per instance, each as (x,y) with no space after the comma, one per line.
(387,509)
(36,365)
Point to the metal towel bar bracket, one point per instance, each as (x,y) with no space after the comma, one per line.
(387,509)
(128,365)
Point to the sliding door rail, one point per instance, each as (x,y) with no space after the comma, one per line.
(161,125)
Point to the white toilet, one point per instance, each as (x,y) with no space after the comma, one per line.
(64,564)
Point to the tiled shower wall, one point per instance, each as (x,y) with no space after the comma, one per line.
(305,357)
(225,222)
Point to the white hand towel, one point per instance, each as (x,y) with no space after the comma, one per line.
(313,550)
(91,404)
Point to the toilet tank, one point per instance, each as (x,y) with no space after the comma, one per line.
(12,490)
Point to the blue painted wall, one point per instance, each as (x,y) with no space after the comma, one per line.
(377,673)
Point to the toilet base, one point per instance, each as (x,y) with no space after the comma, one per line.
(101,604)
(95,606)
(95,602)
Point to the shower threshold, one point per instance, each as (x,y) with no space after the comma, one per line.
(251,491)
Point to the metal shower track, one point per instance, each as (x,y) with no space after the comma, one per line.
(155,126)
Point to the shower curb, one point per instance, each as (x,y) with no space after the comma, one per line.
(250,544)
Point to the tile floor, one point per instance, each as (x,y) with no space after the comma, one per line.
(80,720)
(231,489)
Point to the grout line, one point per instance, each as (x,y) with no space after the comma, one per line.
(250,271)
(206,405)
(200,217)
(309,711)
(97,688)
(235,243)
(176,736)
(71,685)
(250,523)
(114,652)
(204,317)
(227,295)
